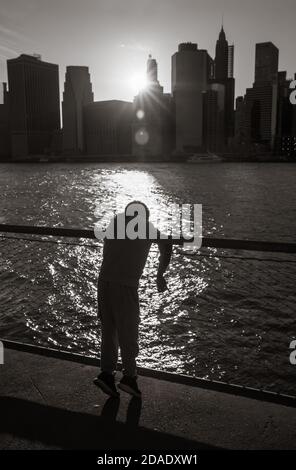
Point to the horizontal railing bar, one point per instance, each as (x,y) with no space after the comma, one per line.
(224,243)
(50,231)
(249,245)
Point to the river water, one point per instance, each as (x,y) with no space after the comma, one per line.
(227,315)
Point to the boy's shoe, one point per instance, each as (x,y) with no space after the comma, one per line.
(106,382)
(130,385)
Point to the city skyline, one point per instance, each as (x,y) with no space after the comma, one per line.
(117,57)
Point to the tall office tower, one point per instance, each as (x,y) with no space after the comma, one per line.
(239,129)
(4,126)
(214,112)
(77,94)
(293,122)
(230,60)
(286,131)
(153,124)
(266,62)
(191,70)
(224,60)
(261,99)
(108,128)
(34,104)
(284,109)
(221,58)
(152,71)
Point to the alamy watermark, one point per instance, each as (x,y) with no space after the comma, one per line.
(181,221)
(1,353)
(293,353)
(293,94)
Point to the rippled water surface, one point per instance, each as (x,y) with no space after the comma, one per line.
(223,318)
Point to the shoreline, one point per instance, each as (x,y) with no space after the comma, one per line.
(133,160)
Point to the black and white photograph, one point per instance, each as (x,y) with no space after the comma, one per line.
(147,231)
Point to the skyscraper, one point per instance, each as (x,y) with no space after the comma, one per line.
(266,62)
(221,57)
(214,116)
(153,125)
(34,104)
(77,94)
(230,60)
(286,123)
(191,70)
(152,71)
(261,99)
(239,131)
(4,126)
(224,60)
(108,128)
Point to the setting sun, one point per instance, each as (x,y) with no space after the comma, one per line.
(138,82)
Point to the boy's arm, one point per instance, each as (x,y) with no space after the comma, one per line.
(165,250)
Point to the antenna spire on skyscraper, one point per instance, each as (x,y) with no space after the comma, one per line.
(222,35)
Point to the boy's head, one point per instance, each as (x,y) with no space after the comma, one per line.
(135,208)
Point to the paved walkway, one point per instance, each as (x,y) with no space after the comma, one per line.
(48,403)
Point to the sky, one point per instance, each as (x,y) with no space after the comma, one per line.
(114,37)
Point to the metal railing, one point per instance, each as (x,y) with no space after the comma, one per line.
(224,243)
(221,243)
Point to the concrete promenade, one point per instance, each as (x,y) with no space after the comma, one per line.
(49,403)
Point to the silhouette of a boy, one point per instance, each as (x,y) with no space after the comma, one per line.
(126,248)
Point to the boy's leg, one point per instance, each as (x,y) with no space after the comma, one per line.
(109,339)
(126,308)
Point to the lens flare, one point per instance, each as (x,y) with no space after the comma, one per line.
(142,136)
(140,114)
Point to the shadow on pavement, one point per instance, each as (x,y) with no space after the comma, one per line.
(73,430)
